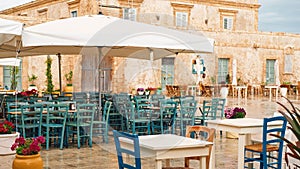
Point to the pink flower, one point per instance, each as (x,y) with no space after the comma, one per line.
(28,146)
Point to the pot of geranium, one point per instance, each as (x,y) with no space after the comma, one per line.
(31,80)
(69,87)
(140,91)
(7,137)
(234,113)
(28,155)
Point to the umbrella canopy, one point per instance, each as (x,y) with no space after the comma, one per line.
(10,62)
(111,36)
(9,30)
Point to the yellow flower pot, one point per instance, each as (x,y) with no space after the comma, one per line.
(28,162)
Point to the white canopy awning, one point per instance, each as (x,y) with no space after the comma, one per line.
(10,62)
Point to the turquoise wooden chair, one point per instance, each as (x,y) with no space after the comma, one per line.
(101,126)
(54,122)
(136,123)
(209,111)
(82,124)
(188,109)
(165,123)
(122,150)
(269,152)
(31,120)
(204,110)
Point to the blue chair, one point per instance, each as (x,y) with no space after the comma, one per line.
(31,118)
(269,152)
(188,109)
(54,122)
(101,126)
(125,151)
(165,122)
(136,123)
(82,124)
(200,120)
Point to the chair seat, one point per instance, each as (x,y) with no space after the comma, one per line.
(99,122)
(74,124)
(259,147)
(52,125)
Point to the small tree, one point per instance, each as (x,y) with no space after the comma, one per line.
(14,71)
(32,79)
(69,77)
(50,85)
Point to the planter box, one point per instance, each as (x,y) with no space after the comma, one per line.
(6,141)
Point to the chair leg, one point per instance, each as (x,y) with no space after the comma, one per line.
(78,137)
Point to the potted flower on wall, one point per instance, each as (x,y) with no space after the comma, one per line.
(28,155)
(32,80)
(7,137)
(69,86)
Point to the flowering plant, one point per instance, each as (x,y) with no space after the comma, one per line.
(233,113)
(29,92)
(140,89)
(28,146)
(6,127)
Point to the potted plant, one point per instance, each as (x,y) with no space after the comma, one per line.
(14,71)
(7,137)
(234,113)
(292,156)
(69,87)
(27,150)
(50,85)
(32,80)
(140,91)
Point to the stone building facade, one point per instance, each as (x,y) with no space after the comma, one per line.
(233,24)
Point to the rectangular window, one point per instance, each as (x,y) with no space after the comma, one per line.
(181,19)
(167,72)
(222,70)
(7,78)
(270,71)
(227,23)
(73,14)
(288,64)
(129,14)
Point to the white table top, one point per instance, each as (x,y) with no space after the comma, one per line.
(168,141)
(272,87)
(240,122)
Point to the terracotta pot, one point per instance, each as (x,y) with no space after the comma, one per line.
(69,90)
(28,162)
(6,141)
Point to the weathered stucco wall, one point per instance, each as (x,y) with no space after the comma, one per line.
(248,46)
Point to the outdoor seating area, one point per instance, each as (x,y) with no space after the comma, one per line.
(69,124)
(145,96)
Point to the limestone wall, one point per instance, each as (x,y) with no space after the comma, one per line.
(248,46)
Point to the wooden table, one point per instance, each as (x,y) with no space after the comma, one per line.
(244,127)
(270,91)
(239,90)
(169,146)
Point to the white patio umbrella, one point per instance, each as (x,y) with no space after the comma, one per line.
(113,37)
(10,62)
(234,67)
(9,30)
(276,71)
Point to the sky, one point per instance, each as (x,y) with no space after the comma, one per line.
(274,15)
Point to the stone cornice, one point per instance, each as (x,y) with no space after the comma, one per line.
(221,3)
(26,6)
(181,5)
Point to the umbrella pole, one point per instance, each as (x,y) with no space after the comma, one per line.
(59,73)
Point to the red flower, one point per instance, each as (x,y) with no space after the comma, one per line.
(28,146)
(6,127)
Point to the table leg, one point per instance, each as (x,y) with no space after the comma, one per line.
(241,145)
(202,162)
(270,93)
(168,162)
(158,164)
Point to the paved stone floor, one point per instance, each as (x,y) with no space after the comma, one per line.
(102,156)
